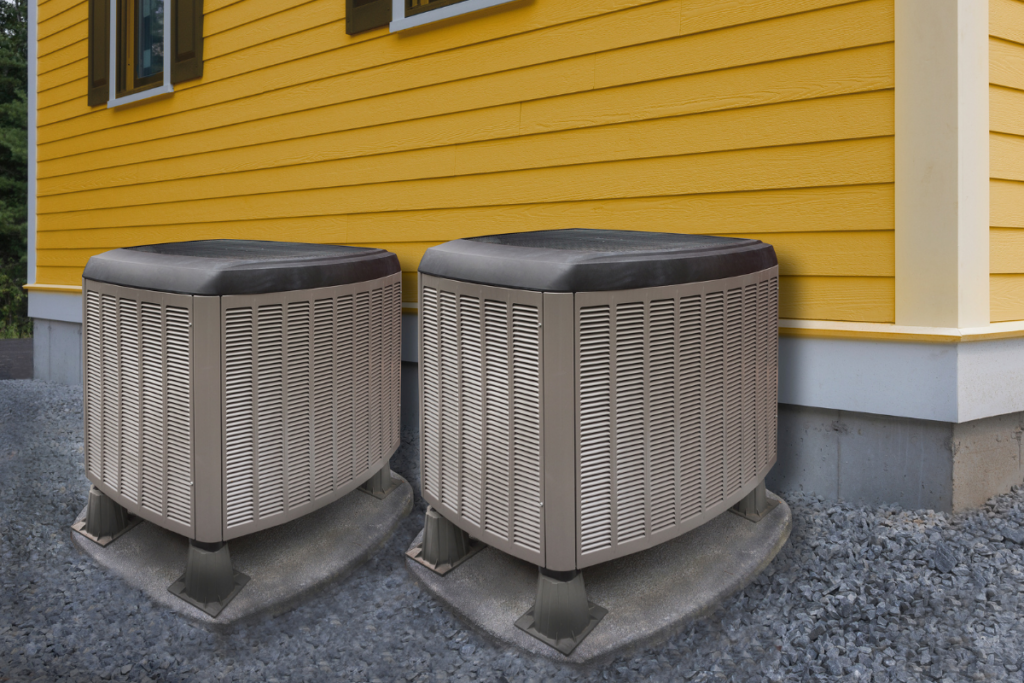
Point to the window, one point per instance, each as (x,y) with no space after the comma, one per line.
(363,15)
(140,48)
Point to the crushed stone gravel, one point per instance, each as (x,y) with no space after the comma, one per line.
(858,594)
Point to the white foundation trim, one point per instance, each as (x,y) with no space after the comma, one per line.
(400,22)
(52,306)
(943,382)
(942,163)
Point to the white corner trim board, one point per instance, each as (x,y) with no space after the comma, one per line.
(400,22)
(33,88)
(942,163)
(55,306)
(165,88)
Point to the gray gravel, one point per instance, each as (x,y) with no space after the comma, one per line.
(859,594)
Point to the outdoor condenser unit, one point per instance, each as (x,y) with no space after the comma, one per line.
(231,386)
(587,394)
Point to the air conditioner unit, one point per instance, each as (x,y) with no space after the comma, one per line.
(231,386)
(587,394)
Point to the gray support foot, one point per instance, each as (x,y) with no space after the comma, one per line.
(445,546)
(380,484)
(209,582)
(756,505)
(561,616)
(104,520)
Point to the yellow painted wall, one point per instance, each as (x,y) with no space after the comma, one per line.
(769,118)
(1006,114)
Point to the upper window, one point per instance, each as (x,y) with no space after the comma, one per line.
(362,15)
(140,48)
(140,45)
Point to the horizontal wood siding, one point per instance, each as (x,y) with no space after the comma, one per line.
(763,118)
(1006,115)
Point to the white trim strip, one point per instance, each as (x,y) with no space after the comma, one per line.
(136,97)
(942,382)
(33,98)
(400,22)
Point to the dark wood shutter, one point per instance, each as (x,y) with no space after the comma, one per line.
(186,40)
(362,15)
(99,52)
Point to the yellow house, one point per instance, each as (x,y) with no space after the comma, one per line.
(877,144)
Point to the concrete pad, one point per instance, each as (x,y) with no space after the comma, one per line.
(285,563)
(649,595)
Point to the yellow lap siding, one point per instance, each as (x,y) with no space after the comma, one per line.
(868,115)
(850,71)
(1006,145)
(852,209)
(766,118)
(1006,249)
(1007,297)
(838,298)
(66,19)
(825,30)
(710,51)
(848,162)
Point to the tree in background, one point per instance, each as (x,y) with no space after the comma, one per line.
(14,320)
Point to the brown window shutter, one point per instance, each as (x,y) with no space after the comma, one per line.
(99,52)
(186,40)
(362,15)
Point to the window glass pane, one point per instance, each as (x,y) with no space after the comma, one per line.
(149,39)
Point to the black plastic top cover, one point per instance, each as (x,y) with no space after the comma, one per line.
(219,267)
(584,260)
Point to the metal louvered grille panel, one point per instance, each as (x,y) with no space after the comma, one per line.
(138,398)
(526,424)
(311,397)
(677,408)
(481,447)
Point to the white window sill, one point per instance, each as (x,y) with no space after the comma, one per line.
(402,22)
(165,89)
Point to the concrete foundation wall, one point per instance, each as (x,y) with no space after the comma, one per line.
(917,464)
(57,351)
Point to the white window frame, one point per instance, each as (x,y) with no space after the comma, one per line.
(400,22)
(163,89)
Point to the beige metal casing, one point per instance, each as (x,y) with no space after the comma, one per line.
(630,417)
(219,416)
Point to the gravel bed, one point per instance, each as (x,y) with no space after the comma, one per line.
(859,594)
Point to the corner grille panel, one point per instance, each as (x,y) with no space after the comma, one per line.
(138,397)
(482,454)
(677,407)
(310,403)
(310,396)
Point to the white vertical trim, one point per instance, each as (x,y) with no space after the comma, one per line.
(942,162)
(33,120)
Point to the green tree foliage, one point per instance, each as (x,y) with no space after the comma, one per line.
(14,320)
